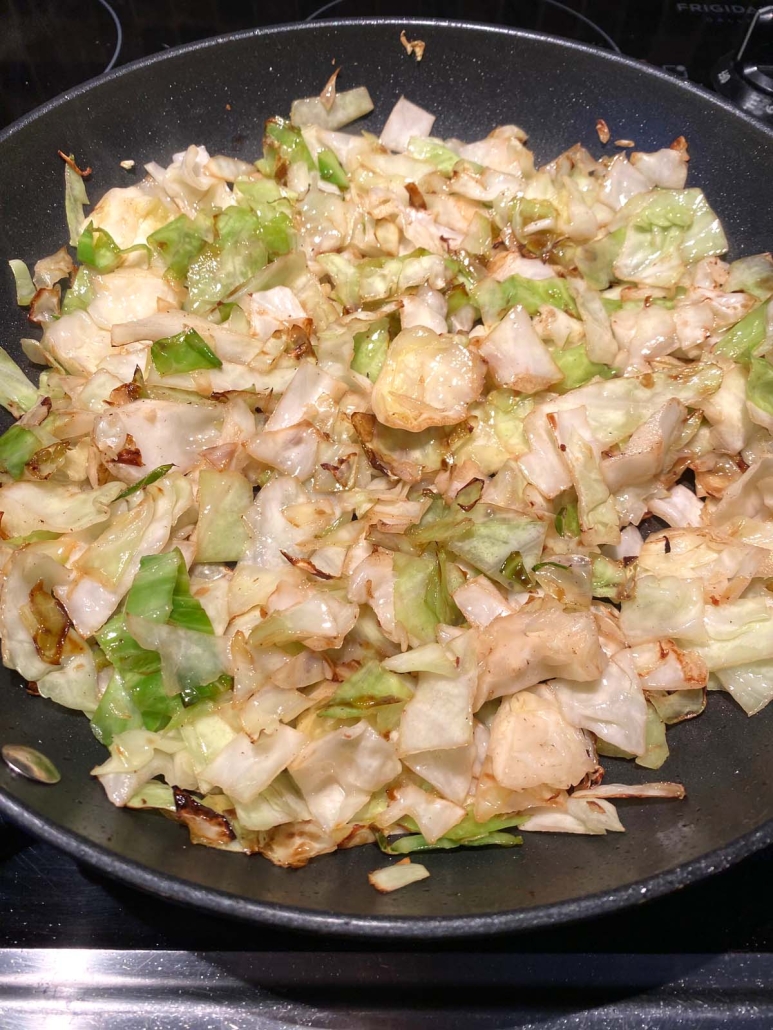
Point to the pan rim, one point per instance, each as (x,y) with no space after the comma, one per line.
(216,901)
(289,917)
(484,28)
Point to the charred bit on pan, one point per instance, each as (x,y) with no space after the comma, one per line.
(204,824)
(415,46)
(602,130)
(70,161)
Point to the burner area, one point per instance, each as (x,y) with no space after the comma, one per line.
(52,45)
(49,46)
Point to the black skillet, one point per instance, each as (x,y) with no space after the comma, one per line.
(218,93)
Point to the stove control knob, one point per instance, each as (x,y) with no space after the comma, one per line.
(746,76)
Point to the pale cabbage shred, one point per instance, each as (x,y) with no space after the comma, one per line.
(371,658)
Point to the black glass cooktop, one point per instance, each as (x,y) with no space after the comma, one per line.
(109,956)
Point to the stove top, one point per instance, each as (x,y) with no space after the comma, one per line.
(110,956)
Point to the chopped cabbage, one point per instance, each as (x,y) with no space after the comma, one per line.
(329,508)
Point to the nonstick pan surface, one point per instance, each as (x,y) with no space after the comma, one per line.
(218,93)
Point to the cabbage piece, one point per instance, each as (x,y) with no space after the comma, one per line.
(577,369)
(283,142)
(543,464)
(666,229)
(439,715)
(470,833)
(495,535)
(515,355)
(25,288)
(748,495)
(17,446)
(392,878)
(180,242)
(569,579)
(236,254)
(426,380)
(666,168)
(422,597)
(272,533)
(161,592)
(752,275)
(725,565)
(596,509)
(538,642)
(664,606)
(311,393)
(35,629)
(17,394)
(595,260)
(406,121)
(346,107)
(434,816)
(426,658)
(679,507)
(633,790)
(279,803)
(338,772)
(480,602)
(746,337)
(435,151)
(153,794)
(74,685)
(613,707)
(616,407)
(600,342)
(148,480)
(319,621)
(136,756)
(221,534)
(577,815)
(243,769)
(98,250)
(331,169)
(532,743)
(75,199)
(56,507)
(663,666)
(106,569)
(270,706)
(759,389)
(494,298)
(164,432)
(370,349)
(656,750)
(646,455)
(370,688)
(737,634)
(750,684)
(185,352)
(449,770)
(130,215)
(399,453)
(135,694)
(677,705)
